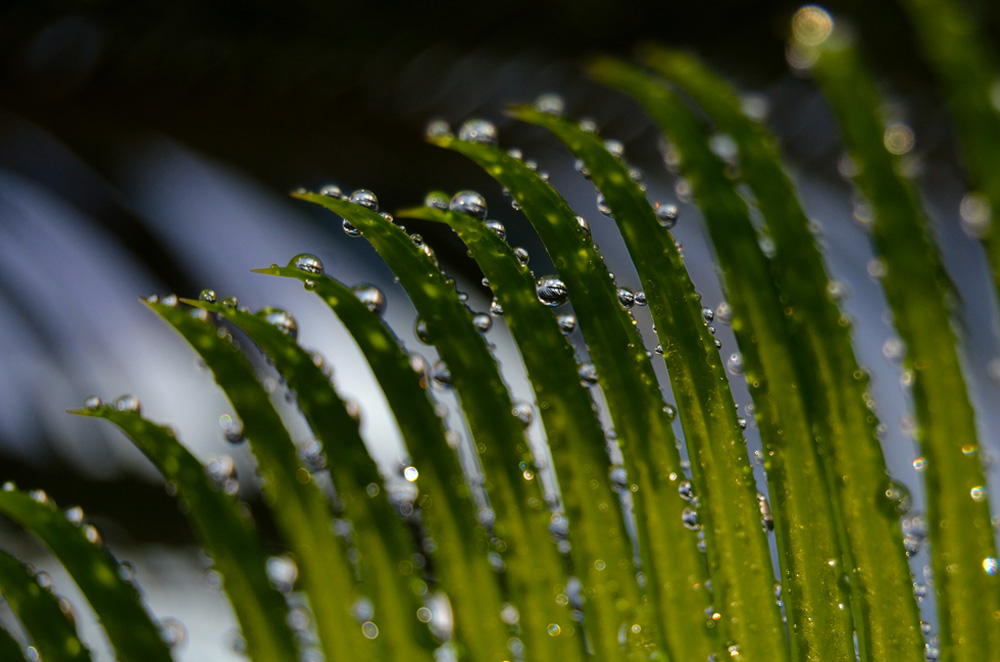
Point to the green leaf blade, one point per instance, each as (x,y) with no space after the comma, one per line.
(886,616)
(118,605)
(385,545)
(963,548)
(303,515)
(51,632)
(599,542)
(803,509)
(447,509)
(674,567)
(222,530)
(740,560)
(534,568)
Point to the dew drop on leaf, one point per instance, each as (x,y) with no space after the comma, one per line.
(469,203)
(307,262)
(365,198)
(479,131)
(551,291)
(371,296)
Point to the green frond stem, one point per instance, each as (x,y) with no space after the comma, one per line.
(737,547)
(817,604)
(51,631)
(459,558)
(599,543)
(301,511)
(675,570)
(964,553)
(887,620)
(959,52)
(132,632)
(224,532)
(534,570)
(386,549)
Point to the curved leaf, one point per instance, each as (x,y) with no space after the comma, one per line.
(887,620)
(385,546)
(51,632)
(536,573)
(771,355)
(599,542)
(964,553)
(117,603)
(960,53)
(301,511)
(737,546)
(674,568)
(447,510)
(223,531)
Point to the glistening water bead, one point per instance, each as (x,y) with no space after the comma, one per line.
(307,262)
(666,214)
(365,198)
(478,131)
(469,203)
(371,296)
(281,320)
(551,291)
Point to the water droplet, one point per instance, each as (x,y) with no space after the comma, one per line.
(498,228)
(75,515)
(230,302)
(232,429)
(170,301)
(509,614)
(550,103)
(282,573)
(222,472)
(411,474)
(587,373)
(707,314)
(523,412)
(371,296)
(615,148)
(479,131)
(553,630)
(369,630)
(976,214)
(567,323)
(990,565)
(495,308)
(666,214)
(306,262)
(602,205)
(208,296)
(898,497)
(172,632)
(441,375)
(39,496)
(93,534)
(437,128)
(92,403)
(640,299)
(670,411)
(311,455)
(421,331)
(811,25)
(690,519)
(350,230)
(626,297)
(685,490)
(766,518)
(365,198)
(281,320)
(522,256)
(482,322)
(128,402)
(584,225)
(898,138)
(978,493)
(735,364)
(331,191)
(551,291)
(469,203)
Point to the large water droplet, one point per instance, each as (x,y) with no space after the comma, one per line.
(350,230)
(172,632)
(685,490)
(207,296)
(332,191)
(602,205)
(523,412)
(567,323)
(92,403)
(690,519)
(498,228)
(282,573)
(478,131)
(551,291)
(365,198)
(280,320)
(626,297)
(897,497)
(307,262)
(666,214)
(469,203)
(371,296)
(437,128)
(128,402)
(482,322)
(550,103)
(587,373)
(522,256)
(735,364)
